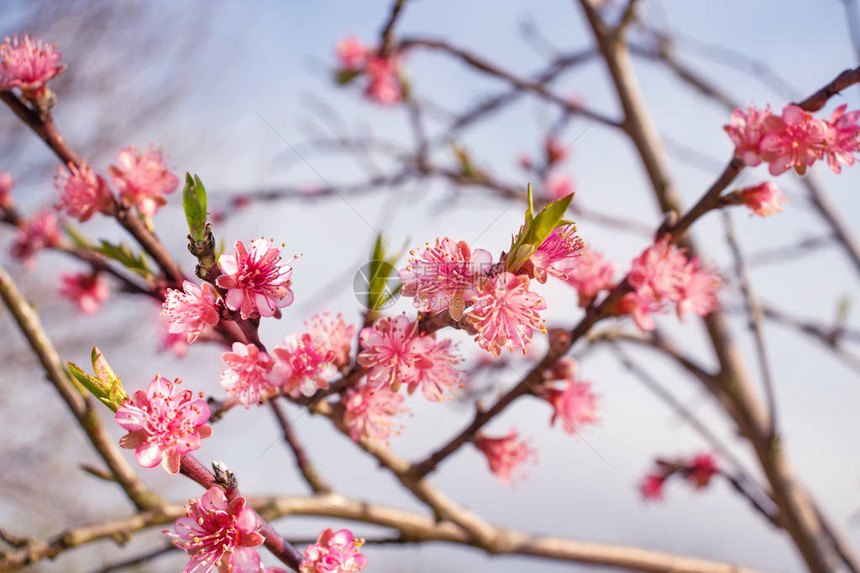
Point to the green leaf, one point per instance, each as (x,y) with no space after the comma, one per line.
(125,256)
(77,237)
(344,77)
(194,204)
(105,385)
(536,229)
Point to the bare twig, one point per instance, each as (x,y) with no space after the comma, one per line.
(307,469)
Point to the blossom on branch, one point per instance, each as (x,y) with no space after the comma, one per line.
(557,186)
(248,376)
(83,193)
(368,412)
(843,138)
(506,312)
(257,279)
(763,199)
(334,334)
(395,352)
(89,291)
(334,552)
(351,54)
(219,533)
(142,179)
(651,486)
(558,255)
(190,310)
(505,454)
(575,405)
(385,84)
(40,232)
(591,275)
(443,276)
(163,424)
(794,140)
(28,65)
(303,364)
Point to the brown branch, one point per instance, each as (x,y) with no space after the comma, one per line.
(386,36)
(83,409)
(486,67)
(412,526)
(303,462)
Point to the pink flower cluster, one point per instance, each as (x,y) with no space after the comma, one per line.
(505,454)
(190,310)
(219,533)
(443,276)
(334,552)
(142,179)
(662,273)
(28,65)
(506,312)
(248,376)
(384,83)
(83,193)
(591,275)
(398,354)
(698,471)
(302,364)
(162,424)
(257,279)
(40,232)
(368,412)
(575,403)
(89,291)
(795,139)
(558,255)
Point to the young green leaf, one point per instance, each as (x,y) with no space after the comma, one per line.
(194,204)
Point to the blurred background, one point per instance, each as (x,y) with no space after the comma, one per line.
(242,95)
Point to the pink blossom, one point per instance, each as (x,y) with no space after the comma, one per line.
(384,79)
(794,140)
(83,193)
(28,64)
(218,533)
(700,470)
(763,199)
(505,454)
(696,291)
(248,376)
(591,275)
(190,310)
(443,276)
(6,184)
(576,405)
(441,377)
(303,364)
(143,179)
(843,138)
(38,233)
(564,369)
(640,308)
(652,486)
(506,312)
(746,130)
(554,150)
(368,412)
(662,273)
(88,291)
(257,280)
(557,186)
(334,552)
(351,54)
(162,424)
(334,334)
(394,352)
(558,255)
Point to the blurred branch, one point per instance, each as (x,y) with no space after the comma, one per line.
(387,34)
(303,462)
(82,408)
(412,526)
